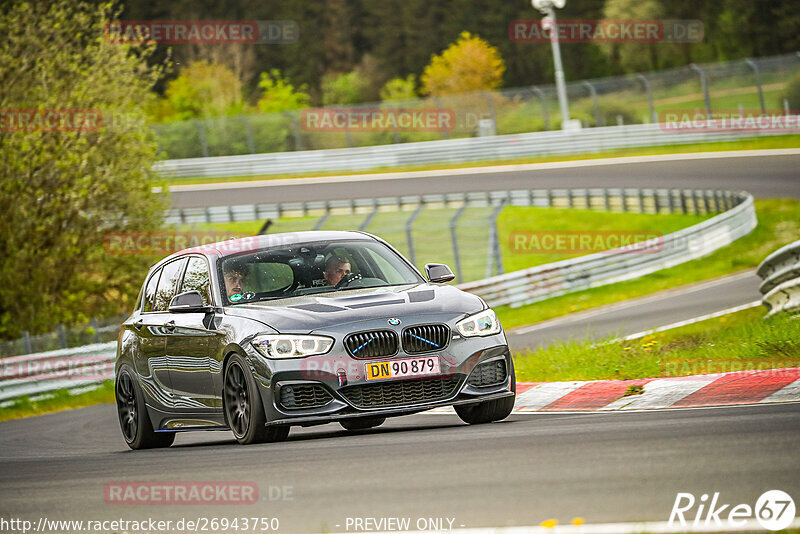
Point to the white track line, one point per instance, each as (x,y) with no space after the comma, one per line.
(602,310)
(280,182)
(541,395)
(693,320)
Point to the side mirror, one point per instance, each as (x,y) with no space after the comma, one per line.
(188,302)
(439,272)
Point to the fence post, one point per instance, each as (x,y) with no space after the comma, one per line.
(757,74)
(538,92)
(438,102)
(62,336)
(26,342)
(409,236)
(488,98)
(704,85)
(649,91)
(493,248)
(95,335)
(201,130)
(249,132)
(454,239)
(324,218)
(597,118)
(371,215)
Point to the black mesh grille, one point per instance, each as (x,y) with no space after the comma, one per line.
(488,374)
(400,393)
(371,344)
(425,338)
(295,396)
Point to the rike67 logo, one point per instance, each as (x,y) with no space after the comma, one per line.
(774,510)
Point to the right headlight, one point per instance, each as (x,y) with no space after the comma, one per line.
(483,323)
(279,346)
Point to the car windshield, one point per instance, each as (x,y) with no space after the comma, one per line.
(310,268)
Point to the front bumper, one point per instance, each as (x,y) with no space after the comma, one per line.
(457,363)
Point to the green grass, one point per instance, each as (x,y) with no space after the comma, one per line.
(57,401)
(741,341)
(782,141)
(779,224)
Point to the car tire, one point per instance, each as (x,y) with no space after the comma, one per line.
(134,421)
(244,411)
(362,423)
(489,411)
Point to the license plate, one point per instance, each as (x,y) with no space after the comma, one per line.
(402,368)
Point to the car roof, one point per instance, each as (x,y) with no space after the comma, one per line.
(243,244)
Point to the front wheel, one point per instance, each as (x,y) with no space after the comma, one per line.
(362,423)
(137,429)
(489,411)
(244,410)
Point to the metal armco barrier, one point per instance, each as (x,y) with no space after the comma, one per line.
(68,368)
(492,148)
(545,281)
(781,274)
(58,369)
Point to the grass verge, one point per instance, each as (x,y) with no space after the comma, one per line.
(778,224)
(740,341)
(756,143)
(57,401)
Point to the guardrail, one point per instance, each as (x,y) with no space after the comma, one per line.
(57,369)
(471,149)
(545,281)
(780,272)
(40,373)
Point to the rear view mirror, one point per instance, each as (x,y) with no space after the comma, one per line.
(439,272)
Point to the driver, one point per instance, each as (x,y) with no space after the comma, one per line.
(235,275)
(336,268)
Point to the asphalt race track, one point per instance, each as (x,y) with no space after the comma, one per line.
(602,467)
(529,468)
(646,313)
(763,176)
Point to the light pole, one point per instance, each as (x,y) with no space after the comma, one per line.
(549,23)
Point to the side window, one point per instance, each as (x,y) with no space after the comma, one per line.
(168,284)
(150,292)
(197,278)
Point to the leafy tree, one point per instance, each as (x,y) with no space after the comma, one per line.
(400,89)
(340,89)
(470,64)
(203,89)
(279,94)
(65,186)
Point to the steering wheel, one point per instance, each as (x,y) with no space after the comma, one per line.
(345,281)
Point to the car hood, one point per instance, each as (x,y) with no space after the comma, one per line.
(308,313)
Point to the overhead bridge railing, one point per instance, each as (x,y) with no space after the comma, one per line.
(780,272)
(80,367)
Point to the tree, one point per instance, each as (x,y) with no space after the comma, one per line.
(470,64)
(400,89)
(71,181)
(279,94)
(203,89)
(342,89)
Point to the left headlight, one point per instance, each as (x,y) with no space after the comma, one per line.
(483,323)
(291,346)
